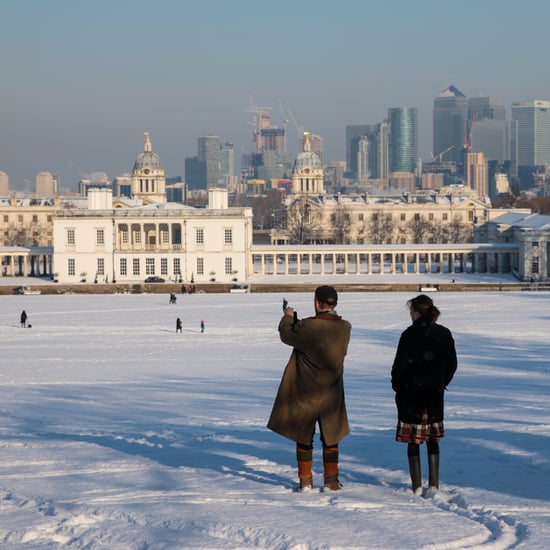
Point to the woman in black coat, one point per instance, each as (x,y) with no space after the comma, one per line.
(424,365)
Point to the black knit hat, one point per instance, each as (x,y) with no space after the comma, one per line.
(326,295)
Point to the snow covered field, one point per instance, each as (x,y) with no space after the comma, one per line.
(118,433)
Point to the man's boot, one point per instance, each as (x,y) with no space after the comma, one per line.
(330,463)
(416,473)
(305,459)
(433,469)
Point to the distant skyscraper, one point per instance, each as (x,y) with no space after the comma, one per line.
(209,153)
(403,137)
(46,184)
(227,159)
(477,174)
(533,120)
(377,144)
(488,130)
(4,183)
(450,122)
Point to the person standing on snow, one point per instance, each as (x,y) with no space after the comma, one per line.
(424,364)
(23,319)
(178,325)
(311,391)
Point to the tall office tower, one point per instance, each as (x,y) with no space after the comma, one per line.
(477,174)
(4,183)
(533,137)
(450,121)
(377,138)
(209,153)
(403,137)
(363,171)
(488,130)
(46,184)
(227,159)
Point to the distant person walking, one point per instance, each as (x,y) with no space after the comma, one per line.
(23,319)
(178,325)
(424,364)
(312,388)
(202,326)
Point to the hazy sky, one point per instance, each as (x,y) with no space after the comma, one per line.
(82,80)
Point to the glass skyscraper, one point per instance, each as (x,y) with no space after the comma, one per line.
(533,132)
(450,124)
(402,139)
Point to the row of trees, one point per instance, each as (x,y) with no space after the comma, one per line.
(25,234)
(305,224)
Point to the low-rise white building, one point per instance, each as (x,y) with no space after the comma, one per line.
(172,241)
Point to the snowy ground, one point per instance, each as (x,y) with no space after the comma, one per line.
(118,433)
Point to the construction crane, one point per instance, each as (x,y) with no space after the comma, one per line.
(439,157)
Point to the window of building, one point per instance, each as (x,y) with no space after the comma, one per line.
(199,236)
(535,244)
(200,266)
(361,217)
(164,236)
(71,267)
(445,216)
(35,219)
(149,266)
(70,237)
(137,237)
(164,266)
(20,219)
(124,236)
(535,265)
(228,266)
(49,218)
(470,215)
(177,266)
(100,237)
(123,266)
(135,266)
(228,236)
(431,216)
(417,216)
(403,217)
(101,266)
(6,219)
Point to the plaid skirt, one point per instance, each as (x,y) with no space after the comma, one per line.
(418,433)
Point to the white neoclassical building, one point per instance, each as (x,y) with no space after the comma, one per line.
(175,242)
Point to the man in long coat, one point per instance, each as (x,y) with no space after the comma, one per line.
(312,387)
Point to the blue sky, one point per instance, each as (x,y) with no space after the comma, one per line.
(81,81)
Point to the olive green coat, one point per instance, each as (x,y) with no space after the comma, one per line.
(312,386)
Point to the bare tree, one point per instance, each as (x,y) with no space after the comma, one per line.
(420,229)
(303,221)
(459,232)
(341,223)
(381,228)
(27,234)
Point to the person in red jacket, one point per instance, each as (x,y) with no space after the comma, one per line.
(424,364)
(312,387)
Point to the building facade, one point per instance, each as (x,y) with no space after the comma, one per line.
(172,241)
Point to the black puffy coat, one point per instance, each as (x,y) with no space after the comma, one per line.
(424,364)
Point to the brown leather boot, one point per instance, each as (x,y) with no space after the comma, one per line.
(330,463)
(305,460)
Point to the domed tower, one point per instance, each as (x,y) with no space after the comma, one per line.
(307,175)
(148,178)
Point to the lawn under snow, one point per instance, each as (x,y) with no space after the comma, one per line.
(118,433)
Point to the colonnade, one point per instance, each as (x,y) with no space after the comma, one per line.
(21,262)
(379,259)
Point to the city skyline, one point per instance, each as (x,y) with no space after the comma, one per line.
(82,82)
